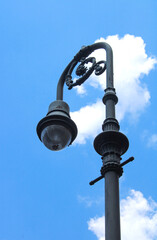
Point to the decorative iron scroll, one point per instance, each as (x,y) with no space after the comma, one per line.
(83,71)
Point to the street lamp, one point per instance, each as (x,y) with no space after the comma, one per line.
(57,130)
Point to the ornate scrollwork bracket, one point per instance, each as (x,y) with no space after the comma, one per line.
(84,71)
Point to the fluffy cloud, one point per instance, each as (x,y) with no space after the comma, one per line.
(97,226)
(138,218)
(149,139)
(152,141)
(89,120)
(89,202)
(131,63)
(81,90)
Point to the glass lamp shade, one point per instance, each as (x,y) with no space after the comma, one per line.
(57,131)
(56,137)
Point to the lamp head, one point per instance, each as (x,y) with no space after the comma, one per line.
(57,130)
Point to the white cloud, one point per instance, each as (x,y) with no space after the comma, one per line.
(89,202)
(131,63)
(152,141)
(88,120)
(97,225)
(138,218)
(80,90)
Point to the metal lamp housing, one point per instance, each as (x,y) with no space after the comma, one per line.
(57,130)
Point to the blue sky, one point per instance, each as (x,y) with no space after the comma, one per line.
(46,195)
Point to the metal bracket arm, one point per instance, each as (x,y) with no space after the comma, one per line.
(111,167)
(84,53)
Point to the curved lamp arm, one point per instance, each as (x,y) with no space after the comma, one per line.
(58,123)
(83,54)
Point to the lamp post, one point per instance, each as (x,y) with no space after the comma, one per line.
(57,130)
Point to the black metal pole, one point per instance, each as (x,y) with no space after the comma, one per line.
(110,144)
(112,210)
